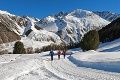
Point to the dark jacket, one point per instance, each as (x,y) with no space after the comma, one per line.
(51,53)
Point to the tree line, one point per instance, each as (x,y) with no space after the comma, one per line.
(90,41)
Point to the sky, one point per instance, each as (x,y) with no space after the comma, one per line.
(44,8)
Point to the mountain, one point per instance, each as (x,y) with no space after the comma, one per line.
(68,27)
(107,15)
(25,25)
(36,33)
(72,26)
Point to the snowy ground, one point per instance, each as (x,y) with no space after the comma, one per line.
(90,65)
(103,64)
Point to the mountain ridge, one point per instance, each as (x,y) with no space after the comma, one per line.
(107,15)
(66,26)
(72,26)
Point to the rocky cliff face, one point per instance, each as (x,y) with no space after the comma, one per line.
(8,29)
(6,35)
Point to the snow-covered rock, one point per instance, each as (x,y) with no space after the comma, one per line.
(72,26)
(107,15)
(36,33)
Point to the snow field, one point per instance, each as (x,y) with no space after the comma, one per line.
(78,66)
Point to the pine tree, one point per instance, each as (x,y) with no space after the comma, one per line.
(90,41)
(19,48)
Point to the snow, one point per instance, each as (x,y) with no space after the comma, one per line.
(40,35)
(5,13)
(103,64)
(73,25)
(28,43)
(113,46)
(34,44)
(78,65)
(107,15)
(40,67)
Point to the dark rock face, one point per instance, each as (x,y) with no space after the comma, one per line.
(110,32)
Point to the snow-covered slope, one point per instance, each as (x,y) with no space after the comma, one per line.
(92,65)
(107,15)
(36,33)
(35,37)
(89,65)
(26,26)
(13,22)
(112,46)
(72,26)
(9,30)
(5,13)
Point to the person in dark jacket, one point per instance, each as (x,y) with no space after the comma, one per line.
(51,54)
(59,53)
(64,53)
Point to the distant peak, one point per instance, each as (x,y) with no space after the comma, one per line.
(81,13)
(25,16)
(5,12)
(106,12)
(61,12)
(81,10)
(108,15)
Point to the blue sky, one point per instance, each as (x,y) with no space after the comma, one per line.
(44,8)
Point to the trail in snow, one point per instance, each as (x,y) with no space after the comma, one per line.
(40,73)
(69,71)
(40,67)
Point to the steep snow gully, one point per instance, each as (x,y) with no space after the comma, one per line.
(76,66)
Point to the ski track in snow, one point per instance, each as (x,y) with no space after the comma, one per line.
(41,73)
(40,67)
(66,68)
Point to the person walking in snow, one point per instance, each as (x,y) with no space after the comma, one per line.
(59,53)
(64,53)
(51,54)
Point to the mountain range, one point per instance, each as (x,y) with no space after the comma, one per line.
(56,28)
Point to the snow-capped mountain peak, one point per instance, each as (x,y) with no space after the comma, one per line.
(81,13)
(72,26)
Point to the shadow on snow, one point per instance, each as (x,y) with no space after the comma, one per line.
(113,66)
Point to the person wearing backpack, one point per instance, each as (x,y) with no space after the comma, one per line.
(51,54)
(59,53)
(64,53)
